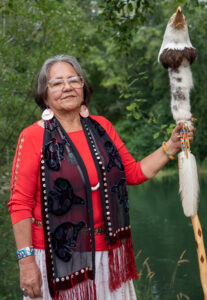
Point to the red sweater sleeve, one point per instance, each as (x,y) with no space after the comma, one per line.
(25,174)
(133,171)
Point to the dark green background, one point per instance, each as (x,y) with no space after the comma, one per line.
(117,43)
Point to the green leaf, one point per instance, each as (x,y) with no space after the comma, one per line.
(130,7)
(156,135)
(131,107)
(137,116)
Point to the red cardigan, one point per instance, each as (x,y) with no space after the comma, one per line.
(25,201)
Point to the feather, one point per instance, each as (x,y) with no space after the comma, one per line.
(189,186)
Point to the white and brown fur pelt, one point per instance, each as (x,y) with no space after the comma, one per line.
(177,54)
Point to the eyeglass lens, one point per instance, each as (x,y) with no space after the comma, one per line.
(74,82)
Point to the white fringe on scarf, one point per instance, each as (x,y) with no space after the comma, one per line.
(125,292)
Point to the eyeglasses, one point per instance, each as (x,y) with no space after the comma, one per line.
(57,84)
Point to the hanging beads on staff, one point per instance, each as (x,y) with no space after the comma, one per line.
(185,145)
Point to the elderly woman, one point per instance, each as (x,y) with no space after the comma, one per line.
(69,204)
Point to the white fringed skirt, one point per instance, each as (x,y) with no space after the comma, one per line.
(125,292)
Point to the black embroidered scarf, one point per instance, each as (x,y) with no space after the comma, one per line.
(68,215)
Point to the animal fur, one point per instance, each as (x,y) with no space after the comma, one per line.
(177,38)
(181,83)
(177,54)
(172,58)
(189,187)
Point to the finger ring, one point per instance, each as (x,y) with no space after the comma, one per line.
(24,292)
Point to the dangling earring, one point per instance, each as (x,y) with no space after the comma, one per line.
(47,114)
(84,112)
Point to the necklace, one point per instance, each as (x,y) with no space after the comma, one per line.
(94,188)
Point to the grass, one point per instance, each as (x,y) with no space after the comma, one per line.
(179,262)
(145,286)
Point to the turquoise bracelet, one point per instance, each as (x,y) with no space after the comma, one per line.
(27,251)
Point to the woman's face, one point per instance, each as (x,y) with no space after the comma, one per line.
(63,98)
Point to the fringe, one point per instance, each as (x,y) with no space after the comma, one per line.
(122,265)
(82,291)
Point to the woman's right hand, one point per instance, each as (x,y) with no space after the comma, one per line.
(30,277)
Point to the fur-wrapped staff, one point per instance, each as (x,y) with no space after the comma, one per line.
(177,54)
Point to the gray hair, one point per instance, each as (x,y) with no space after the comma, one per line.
(43,75)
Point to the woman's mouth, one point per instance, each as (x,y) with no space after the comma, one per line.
(67,97)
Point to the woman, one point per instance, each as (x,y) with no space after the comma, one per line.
(69,197)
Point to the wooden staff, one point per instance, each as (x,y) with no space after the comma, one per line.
(201,253)
(185,146)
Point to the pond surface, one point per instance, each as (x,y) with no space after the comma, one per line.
(162,232)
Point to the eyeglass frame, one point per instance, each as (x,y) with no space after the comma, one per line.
(67,80)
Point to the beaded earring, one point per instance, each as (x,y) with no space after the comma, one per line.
(47,114)
(84,112)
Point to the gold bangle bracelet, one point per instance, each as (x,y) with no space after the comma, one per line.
(164,147)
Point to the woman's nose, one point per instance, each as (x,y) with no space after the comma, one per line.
(67,85)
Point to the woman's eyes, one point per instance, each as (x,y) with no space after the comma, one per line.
(57,83)
(73,80)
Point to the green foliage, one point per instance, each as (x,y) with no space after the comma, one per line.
(9,267)
(146,79)
(117,43)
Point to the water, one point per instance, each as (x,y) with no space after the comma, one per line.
(162,232)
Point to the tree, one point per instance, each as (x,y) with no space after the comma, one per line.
(117,43)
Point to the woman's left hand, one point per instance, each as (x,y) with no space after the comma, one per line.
(174,144)
(154,162)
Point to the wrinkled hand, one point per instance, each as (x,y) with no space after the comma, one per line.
(174,144)
(30,277)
